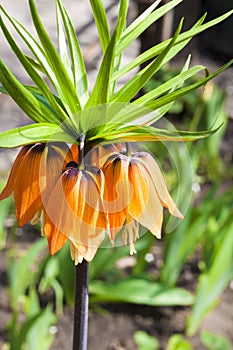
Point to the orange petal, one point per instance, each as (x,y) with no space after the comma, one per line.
(156,176)
(147,209)
(56,239)
(117,194)
(28,185)
(78,213)
(74,152)
(13,173)
(56,157)
(140,189)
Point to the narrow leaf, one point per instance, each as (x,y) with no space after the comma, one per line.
(67,90)
(24,99)
(101,22)
(61,115)
(184,91)
(157,49)
(178,80)
(139,291)
(130,89)
(33,133)
(133,32)
(78,66)
(101,89)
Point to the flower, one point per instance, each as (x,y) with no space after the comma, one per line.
(78,214)
(135,193)
(81,202)
(32,176)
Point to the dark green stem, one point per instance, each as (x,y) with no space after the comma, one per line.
(81,307)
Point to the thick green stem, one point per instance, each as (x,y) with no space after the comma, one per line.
(81,307)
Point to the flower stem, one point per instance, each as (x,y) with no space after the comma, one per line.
(81,307)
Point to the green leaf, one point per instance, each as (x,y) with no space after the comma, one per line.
(24,99)
(129,90)
(121,24)
(42,86)
(138,291)
(148,133)
(19,269)
(178,342)
(35,48)
(33,133)
(101,89)
(41,326)
(157,49)
(78,66)
(161,101)
(67,91)
(101,22)
(145,341)
(133,31)
(139,19)
(172,83)
(4,213)
(215,342)
(212,282)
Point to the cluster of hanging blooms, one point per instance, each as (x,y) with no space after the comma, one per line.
(84,198)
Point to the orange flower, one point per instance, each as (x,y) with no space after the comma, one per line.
(78,213)
(135,193)
(32,176)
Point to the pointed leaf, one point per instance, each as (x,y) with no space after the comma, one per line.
(78,66)
(34,47)
(133,32)
(40,83)
(184,91)
(157,49)
(139,291)
(178,80)
(67,91)
(101,89)
(30,134)
(24,99)
(101,22)
(129,90)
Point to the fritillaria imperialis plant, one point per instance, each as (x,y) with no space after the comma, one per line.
(76,167)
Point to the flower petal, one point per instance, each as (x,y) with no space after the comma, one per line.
(55,238)
(13,173)
(156,176)
(145,207)
(117,194)
(28,185)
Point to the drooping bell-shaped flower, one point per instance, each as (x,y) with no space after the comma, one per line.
(33,174)
(135,193)
(78,214)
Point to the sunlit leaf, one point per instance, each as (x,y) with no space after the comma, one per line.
(131,33)
(67,90)
(139,291)
(33,133)
(101,22)
(78,66)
